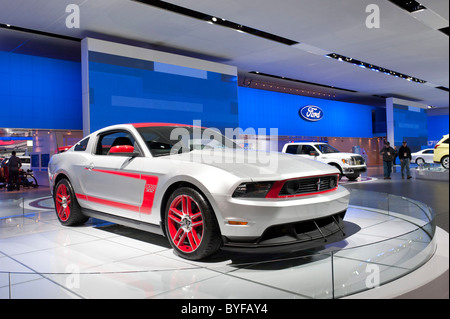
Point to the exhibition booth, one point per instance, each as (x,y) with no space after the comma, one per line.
(391,247)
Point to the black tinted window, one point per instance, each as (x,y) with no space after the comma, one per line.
(292,149)
(108,140)
(81,146)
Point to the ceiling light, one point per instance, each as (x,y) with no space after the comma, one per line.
(409,5)
(216,20)
(373,67)
(300,81)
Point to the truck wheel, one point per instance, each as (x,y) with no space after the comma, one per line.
(352,177)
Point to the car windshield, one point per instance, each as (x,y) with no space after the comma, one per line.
(170,140)
(326,149)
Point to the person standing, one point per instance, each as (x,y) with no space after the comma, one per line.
(14,164)
(404,155)
(388,154)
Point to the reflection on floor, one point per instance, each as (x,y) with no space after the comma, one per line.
(39,258)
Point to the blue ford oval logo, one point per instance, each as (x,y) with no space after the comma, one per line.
(311,113)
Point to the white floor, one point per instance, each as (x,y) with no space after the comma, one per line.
(39,258)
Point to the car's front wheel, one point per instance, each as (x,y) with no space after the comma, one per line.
(420,160)
(191,225)
(444,162)
(352,177)
(66,205)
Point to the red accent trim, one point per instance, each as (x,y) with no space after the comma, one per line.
(278,185)
(151,183)
(81,196)
(121,149)
(136,125)
(108,202)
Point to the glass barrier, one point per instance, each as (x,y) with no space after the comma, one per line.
(387,237)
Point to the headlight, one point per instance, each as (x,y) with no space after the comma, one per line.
(253,190)
(347,161)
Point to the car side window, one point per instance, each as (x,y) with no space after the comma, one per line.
(111,139)
(292,149)
(81,146)
(307,149)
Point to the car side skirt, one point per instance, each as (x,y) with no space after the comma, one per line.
(152,228)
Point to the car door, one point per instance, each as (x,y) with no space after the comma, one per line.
(428,155)
(112,182)
(308,151)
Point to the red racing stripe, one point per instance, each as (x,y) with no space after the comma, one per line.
(151,183)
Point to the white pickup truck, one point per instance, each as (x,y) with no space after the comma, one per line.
(349,164)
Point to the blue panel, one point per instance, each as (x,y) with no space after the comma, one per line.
(437,127)
(410,124)
(126,90)
(266,109)
(39,92)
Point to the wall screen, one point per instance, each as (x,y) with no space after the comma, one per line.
(131,85)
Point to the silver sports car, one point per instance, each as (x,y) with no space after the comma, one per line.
(200,189)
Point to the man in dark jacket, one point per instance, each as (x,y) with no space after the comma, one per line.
(14,164)
(388,154)
(404,155)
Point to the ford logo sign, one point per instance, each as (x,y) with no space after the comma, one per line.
(311,113)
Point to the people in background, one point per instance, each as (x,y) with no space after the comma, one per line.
(388,154)
(14,164)
(404,155)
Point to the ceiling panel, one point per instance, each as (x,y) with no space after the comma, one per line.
(403,43)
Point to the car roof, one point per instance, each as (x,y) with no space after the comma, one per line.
(305,142)
(137,125)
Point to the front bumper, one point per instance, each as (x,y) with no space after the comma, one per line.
(277,222)
(354,169)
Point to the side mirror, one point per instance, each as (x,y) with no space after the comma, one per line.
(123,150)
(313,153)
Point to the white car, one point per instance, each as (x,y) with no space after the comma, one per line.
(349,164)
(26,162)
(423,156)
(198,191)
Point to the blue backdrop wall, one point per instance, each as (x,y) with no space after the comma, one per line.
(267,109)
(437,127)
(39,93)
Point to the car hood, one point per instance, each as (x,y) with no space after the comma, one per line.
(342,154)
(258,165)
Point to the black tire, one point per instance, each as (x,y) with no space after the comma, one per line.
(191,225)
(67,208)
(352,177)
(420,160)
(444,162)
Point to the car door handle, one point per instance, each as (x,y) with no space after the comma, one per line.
(90,166)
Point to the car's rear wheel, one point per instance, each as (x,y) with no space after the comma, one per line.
(191,225)
(66,205)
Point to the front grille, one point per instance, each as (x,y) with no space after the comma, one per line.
(309,185)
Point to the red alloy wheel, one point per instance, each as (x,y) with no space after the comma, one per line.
(185,223)
(63,201)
